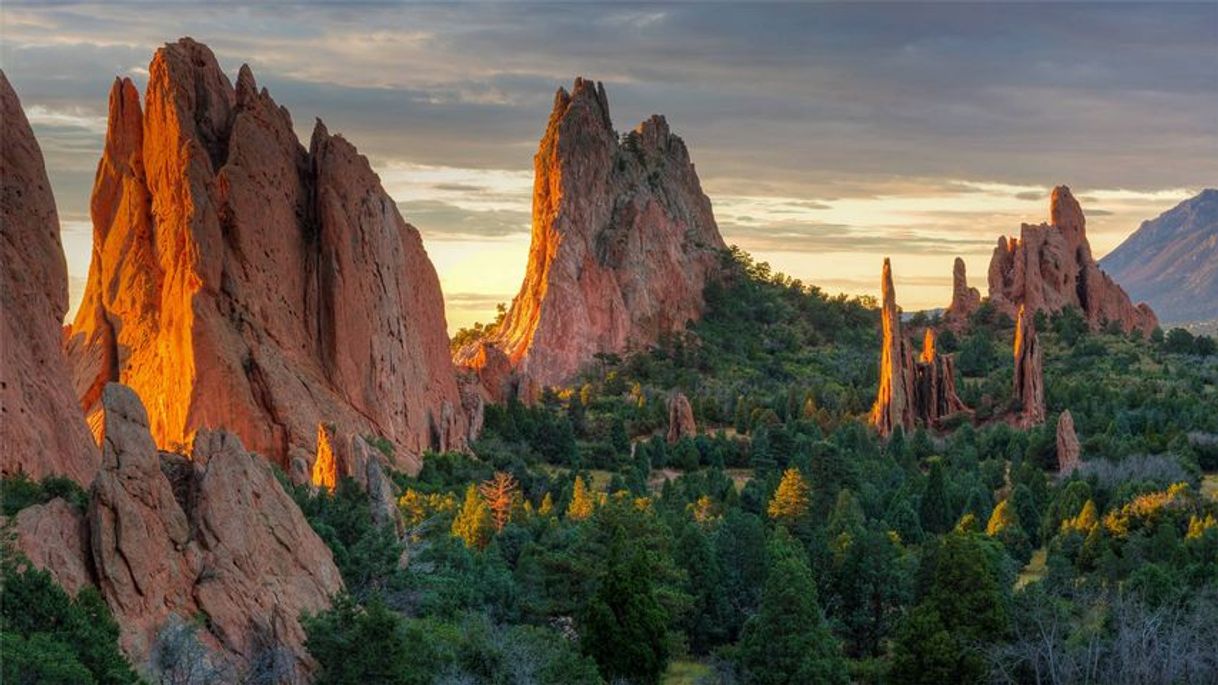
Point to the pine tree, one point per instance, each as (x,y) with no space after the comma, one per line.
(624,626)
(706,623)
(789,504)
(788,640)
(547,506)
(936,513)
(473,522)
(499,493)
(580,506)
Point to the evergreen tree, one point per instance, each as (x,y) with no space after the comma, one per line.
(788,641)
(707,622)
(355,645)
(740,546)
(624,627)
(936,511)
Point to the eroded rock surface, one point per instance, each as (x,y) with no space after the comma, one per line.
(241,281)
(54,537)
(1029,371)
(1069,451)
(680,418)
(965,300)
(41,428)
(623,242)
(894,400)
(214,535)
(1050,267)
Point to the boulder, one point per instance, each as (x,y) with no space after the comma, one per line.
(41,426)
(241,281)
(623,242)
(1050,268)
(680,418)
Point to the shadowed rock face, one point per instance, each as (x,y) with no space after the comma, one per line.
(1068,448)
(965,300)
(1050,267)
(215,534)
(680,418)
(623,241)
(241,281)
(41,428)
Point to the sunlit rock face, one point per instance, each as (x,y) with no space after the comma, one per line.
(623,242)
(1029,371)
(241,281)
(1050,267)
(41,428)
(912,392)
(213,535)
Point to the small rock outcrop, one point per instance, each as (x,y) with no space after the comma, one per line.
(1050,267)
(241,281)
(623,242)
(41,428)
(1029,372)
(912,392)
(680,418)
(54,536)
(965,300)
(214,535)
(1068,449)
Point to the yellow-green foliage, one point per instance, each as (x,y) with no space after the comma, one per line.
(790,501)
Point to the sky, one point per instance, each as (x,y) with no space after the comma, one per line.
(828,136)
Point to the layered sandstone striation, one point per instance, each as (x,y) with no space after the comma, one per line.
(1069,451)
(912,392)
(1029,371)
(623,242)
(680,418)
(965,300)
(1050,267)
(241,281)
(214,535)
(41,428)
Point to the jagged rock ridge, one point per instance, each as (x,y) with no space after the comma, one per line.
(1050,267)
(41,427)
(1172,261)
(623,241)
(241,281)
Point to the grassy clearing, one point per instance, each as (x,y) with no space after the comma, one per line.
(687,673)
(1035,570)
(1209,485)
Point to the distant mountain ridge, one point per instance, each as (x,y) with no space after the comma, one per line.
(1171,262)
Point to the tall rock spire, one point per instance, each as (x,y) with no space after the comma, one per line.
(894,400)
(965,300)
(1050,267)
(41,431)
(623,241)
(242,281)
(1029,371)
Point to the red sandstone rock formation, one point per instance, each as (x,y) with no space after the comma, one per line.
(241,281)
(1069,451)
(894,401)
(1029,371)
(680,418)
(934,385)
(911,392)
(1050,267)
(623,242)
(965,300)
(41,429)
(54,536)
(215,535)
